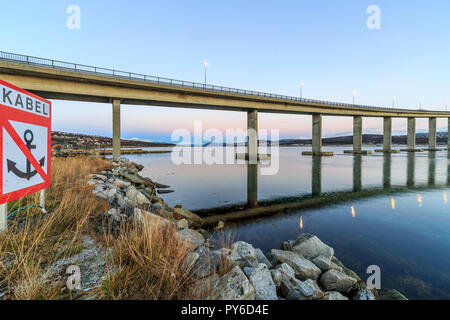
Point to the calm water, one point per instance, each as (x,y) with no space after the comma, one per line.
(403,226)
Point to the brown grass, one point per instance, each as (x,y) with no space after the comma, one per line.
(35,240)
(146,260)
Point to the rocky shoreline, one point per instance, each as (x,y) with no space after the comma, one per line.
(303,269)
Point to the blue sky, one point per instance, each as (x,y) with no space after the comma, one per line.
(262,45)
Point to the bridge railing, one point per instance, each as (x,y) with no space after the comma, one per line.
(61,65)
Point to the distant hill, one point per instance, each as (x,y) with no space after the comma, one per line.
(76,140)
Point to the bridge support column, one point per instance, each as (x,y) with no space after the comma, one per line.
(387,134)
(431,168)
(448,135)
(412,136)
(316,181)
(410,170)
(252,136)
(357,181)
(387,171)
(317,138)
(432,134)
(357,137)
(116,129)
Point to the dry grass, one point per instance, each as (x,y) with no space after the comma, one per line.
(34,240)
(146,261)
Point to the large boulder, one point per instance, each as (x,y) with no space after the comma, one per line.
(304,269)
(261,279)
(191,238)
(310,247)
(136,196)
(242,254)
(322,262)
(180,213)
(333,280)
(261,258)
(294,289)
(391,294)
(207,263)
(233,286)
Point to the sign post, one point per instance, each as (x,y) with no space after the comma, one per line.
(25,145)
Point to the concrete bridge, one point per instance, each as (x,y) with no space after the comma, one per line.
(52,79)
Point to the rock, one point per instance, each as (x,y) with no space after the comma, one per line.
(333,280)
(242,254)
(322,262)
(286,269)
(136,196)
(182,224)
(391,295)
(310,247)
(121,184)
(334,295)
(98,177)
(114,214)
(304,269)
(94,182)
(287,245)
(294,289)
(261,258)
(336,267)
(273,261)
(364,294)
(233,286)
(195,219)
(261,280)
(208,262)
(190,260)
(137,180)
(339,265)
(276,277)
(145,217)
(191,238)
(164,191)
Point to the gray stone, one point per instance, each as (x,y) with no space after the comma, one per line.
(191,238)
(242,254)
(121,184)
(261,280)
(233,286)
(287,245)
(391,294)
(322,262)
(304,269)
(136,196)
(276,277)
(334,295)
(207,263)
(294,289)
(364,294)
(261,258)
(286,269)
(310,247)
(333,280)
(98,177)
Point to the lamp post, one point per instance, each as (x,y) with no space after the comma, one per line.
(301,90)
(393,102)
(205,63)
(420,105)
(354,94)
(446,105)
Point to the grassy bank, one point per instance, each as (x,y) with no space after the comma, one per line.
(143,261)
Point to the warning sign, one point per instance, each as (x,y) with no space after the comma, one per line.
(25,142)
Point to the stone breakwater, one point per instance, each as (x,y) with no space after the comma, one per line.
(303,269)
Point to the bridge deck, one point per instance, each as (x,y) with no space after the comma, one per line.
(53,79)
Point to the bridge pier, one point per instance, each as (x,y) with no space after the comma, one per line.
(431,168)
(411,140)
(432,139)
(317,138)
(410,170)
(387,136)
(387,171)
(316,176)
(116,129)
(252,136)
(357,137)
(357,173)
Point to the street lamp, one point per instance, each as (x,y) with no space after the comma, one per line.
(393,102)
(205,63)
(420,105)
(301,90)
(446,105)
(354,94)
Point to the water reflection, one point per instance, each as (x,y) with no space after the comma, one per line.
(357,168)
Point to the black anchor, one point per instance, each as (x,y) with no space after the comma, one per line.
(28,137)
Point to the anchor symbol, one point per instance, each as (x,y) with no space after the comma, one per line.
(28,137)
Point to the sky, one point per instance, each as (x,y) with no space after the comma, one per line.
(269,46)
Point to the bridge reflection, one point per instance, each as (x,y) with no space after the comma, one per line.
(316,175)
